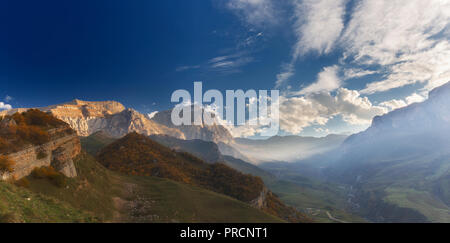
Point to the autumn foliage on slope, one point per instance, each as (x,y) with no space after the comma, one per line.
(27,128)
(139,155)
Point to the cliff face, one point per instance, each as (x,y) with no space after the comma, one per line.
(59,153)
(110,117)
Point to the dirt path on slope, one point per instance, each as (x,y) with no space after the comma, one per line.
(335,219)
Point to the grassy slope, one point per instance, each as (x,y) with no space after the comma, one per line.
(176,202)
(113,197)
(21,205)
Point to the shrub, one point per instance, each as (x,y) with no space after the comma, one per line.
(31,128)
(24,182)
(33,134)
(35,117)
(6,164)
(51,174)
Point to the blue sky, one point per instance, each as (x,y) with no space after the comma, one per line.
(337,63)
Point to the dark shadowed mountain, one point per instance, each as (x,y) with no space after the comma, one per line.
(403,159)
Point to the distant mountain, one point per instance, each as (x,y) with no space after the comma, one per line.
(207,151)
(93,143)
(87,117)
(403,160)
(286,148)
(228,149)
(214,133)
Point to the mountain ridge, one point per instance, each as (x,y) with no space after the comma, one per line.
(88,117)
(403,160)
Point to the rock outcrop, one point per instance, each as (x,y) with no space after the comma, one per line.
(260,202)
(59,153)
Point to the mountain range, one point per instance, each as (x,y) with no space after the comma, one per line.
(41,157)
(398,170)
(111,117)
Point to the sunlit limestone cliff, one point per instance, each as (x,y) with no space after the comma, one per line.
(111,117)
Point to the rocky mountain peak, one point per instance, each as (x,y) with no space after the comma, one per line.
(111,117)
(214,133)
(79,108)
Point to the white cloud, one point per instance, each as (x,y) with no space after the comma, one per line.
(223,64)
(4,106)
(297,113)
(318,25)
(151,115)
(357,73)
(414,98)
(254,12)
(230,62)
(404,42)
(407,38)
(184,68)
(327,80)
(286,73)
(8,98)
(322,130)
(396,103)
